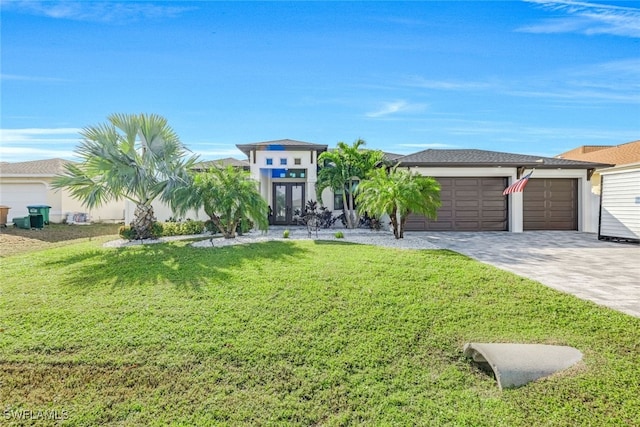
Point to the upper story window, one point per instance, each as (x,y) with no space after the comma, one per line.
(297,161)
(283,162)
(269,161)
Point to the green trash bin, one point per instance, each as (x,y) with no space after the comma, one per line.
(40,210)
(22,222)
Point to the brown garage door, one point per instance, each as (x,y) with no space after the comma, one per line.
(550,204)
(468,204)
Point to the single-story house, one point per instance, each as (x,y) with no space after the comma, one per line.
(557,197)
(24,184)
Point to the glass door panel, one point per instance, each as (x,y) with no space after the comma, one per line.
(297,201)
(288,202)
(280,203)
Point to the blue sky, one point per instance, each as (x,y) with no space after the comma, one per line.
(537,77)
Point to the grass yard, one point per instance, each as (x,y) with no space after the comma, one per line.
(294,332)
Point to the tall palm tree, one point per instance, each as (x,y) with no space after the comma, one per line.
(398,193)
(343,168)
(133,156)
(228,196)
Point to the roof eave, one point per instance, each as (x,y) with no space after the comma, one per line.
(247,148)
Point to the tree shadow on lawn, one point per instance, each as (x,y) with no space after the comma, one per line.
(183,266)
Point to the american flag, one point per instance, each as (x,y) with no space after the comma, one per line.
(517,186)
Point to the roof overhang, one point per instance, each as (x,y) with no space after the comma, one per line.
(281,145)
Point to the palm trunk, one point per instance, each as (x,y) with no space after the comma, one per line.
(394,223)
(143,220)
(354,221)
(347,211)
(403,221)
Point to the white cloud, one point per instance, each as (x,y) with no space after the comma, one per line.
(588,18)
(395,107)
(28,134)
(97,11)
(15,77)
(588,84)
(420,82)
(18,145)
(25,154)
(520,133)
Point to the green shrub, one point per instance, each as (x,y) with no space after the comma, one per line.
(244,226)
(171,229)
(126,232)
(285,234)
(210,226)
(157,230)
(339,235)
(191,227)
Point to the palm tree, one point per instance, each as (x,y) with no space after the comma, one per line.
(228,196)
(398,193)
(343,168)
(134,156)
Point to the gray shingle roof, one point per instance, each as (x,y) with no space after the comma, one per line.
(229,161)
(479,158)
(48,167)
(280,144)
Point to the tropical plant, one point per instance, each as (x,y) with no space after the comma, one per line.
(342,169)
(398,193)
(134,156)
(228,196)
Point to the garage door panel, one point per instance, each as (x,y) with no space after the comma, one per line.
(551,204)
(494,205)
(468,215)
(468,204)
(20,195)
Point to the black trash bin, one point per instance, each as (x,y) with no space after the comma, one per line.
(40,210)
(37,221)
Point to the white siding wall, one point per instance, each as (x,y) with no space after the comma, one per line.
(620,209)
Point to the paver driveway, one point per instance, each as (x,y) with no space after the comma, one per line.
(606,273)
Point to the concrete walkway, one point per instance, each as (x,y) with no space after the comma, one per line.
(606,273)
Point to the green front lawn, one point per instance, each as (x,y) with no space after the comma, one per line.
(295,332)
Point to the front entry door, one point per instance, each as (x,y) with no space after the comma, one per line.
(288,202)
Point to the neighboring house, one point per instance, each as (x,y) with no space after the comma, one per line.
(29,183)
(615,155)
(229,161)
(620,203)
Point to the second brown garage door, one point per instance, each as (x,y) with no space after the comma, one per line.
(550,204)
(468,204)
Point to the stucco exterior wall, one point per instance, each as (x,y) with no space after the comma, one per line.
(262,172)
